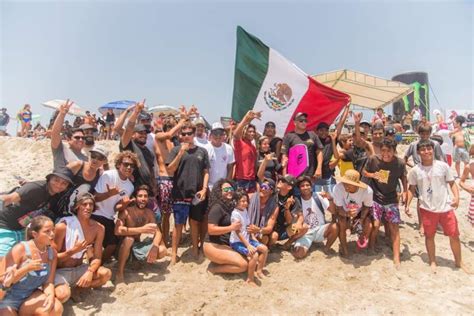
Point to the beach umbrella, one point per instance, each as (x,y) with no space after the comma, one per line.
(165,109)
(117,106)
(74,110)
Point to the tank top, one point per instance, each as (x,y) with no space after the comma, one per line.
(32,280)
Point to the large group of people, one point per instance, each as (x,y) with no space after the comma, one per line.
(231,185)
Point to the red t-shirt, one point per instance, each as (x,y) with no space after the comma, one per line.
(245,158)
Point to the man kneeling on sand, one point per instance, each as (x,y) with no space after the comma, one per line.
(314,227)
(136,219)
(77,236)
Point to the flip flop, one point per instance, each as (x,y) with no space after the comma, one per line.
(362,242)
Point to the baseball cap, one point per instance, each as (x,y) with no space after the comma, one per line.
(289,179)
(389,130)
(365,123)
(322,125)
(100,150)
(300,115)
(144,116)
(198,121)
(140,128)
(217,126)
(86,126)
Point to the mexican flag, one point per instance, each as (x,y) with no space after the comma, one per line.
(266,81)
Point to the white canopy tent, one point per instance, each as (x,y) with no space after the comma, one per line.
(365,90)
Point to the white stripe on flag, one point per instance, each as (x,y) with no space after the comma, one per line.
(280,71)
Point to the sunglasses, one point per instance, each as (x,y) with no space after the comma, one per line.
(97,156)
(79,137)
(266,186)
(187,134)
(303,121)
(128,165)
(228,189)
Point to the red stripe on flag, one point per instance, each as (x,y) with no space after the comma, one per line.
(321,103)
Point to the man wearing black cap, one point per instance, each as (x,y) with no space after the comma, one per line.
(308,138)
(72,151)
(289,222)
(4,119)
(18,208)
(275,142)
(134,139)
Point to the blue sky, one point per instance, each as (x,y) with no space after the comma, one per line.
(183,52)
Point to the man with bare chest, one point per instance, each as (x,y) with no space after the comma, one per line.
(165,141)
(136,219)
(461,153)
(77,238)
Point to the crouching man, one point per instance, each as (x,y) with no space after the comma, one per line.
(79,237)
(136,219)
(315,227)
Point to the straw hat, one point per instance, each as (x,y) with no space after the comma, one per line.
(352,177)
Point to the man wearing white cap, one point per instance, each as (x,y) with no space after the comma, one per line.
(221,155)
(200,139)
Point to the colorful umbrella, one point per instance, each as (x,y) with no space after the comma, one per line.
(117,106)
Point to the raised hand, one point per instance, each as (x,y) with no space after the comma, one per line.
(333,136)
(64,108)
(289,203)
(357,117)
(126,200)
(183,114)
(185,146)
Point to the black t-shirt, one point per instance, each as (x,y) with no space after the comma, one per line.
(280,225)
(220,216)
(188,178)
(385,192)
(312,142)
(273,144)
(327,156)
(272,168)
(146,173)
(358,156)
(34,196)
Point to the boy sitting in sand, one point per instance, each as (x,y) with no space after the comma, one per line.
(353,199)
(245,243)
(136,219)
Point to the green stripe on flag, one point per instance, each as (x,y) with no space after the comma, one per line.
(251,66)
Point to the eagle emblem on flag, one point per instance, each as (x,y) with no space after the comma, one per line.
(280,97)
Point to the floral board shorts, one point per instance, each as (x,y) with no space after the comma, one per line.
(165,201)
(390,213)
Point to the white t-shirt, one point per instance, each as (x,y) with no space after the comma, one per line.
(150,144)
(111,178)
(362,197)
(416,115)
(313,216)
(201,142)
(432,182)
(219,158)
(447,147)
(243,218)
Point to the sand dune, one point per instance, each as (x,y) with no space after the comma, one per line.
(315,285)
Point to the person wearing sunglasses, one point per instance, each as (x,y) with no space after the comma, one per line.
(114,187)
(134,139)
(70,151)
(190,166)
(85,176)
(312,144)
(216,245)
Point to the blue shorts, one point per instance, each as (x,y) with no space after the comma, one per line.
(313,235)
(8,239)
(181,212)
(240,247)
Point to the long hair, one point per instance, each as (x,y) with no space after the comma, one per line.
(216,194)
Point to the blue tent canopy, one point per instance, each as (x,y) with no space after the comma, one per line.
(117,106)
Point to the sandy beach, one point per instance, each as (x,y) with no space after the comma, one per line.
(316,285)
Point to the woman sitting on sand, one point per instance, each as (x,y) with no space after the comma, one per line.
(36,265)
(216,246)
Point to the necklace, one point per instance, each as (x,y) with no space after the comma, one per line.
(41,251)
